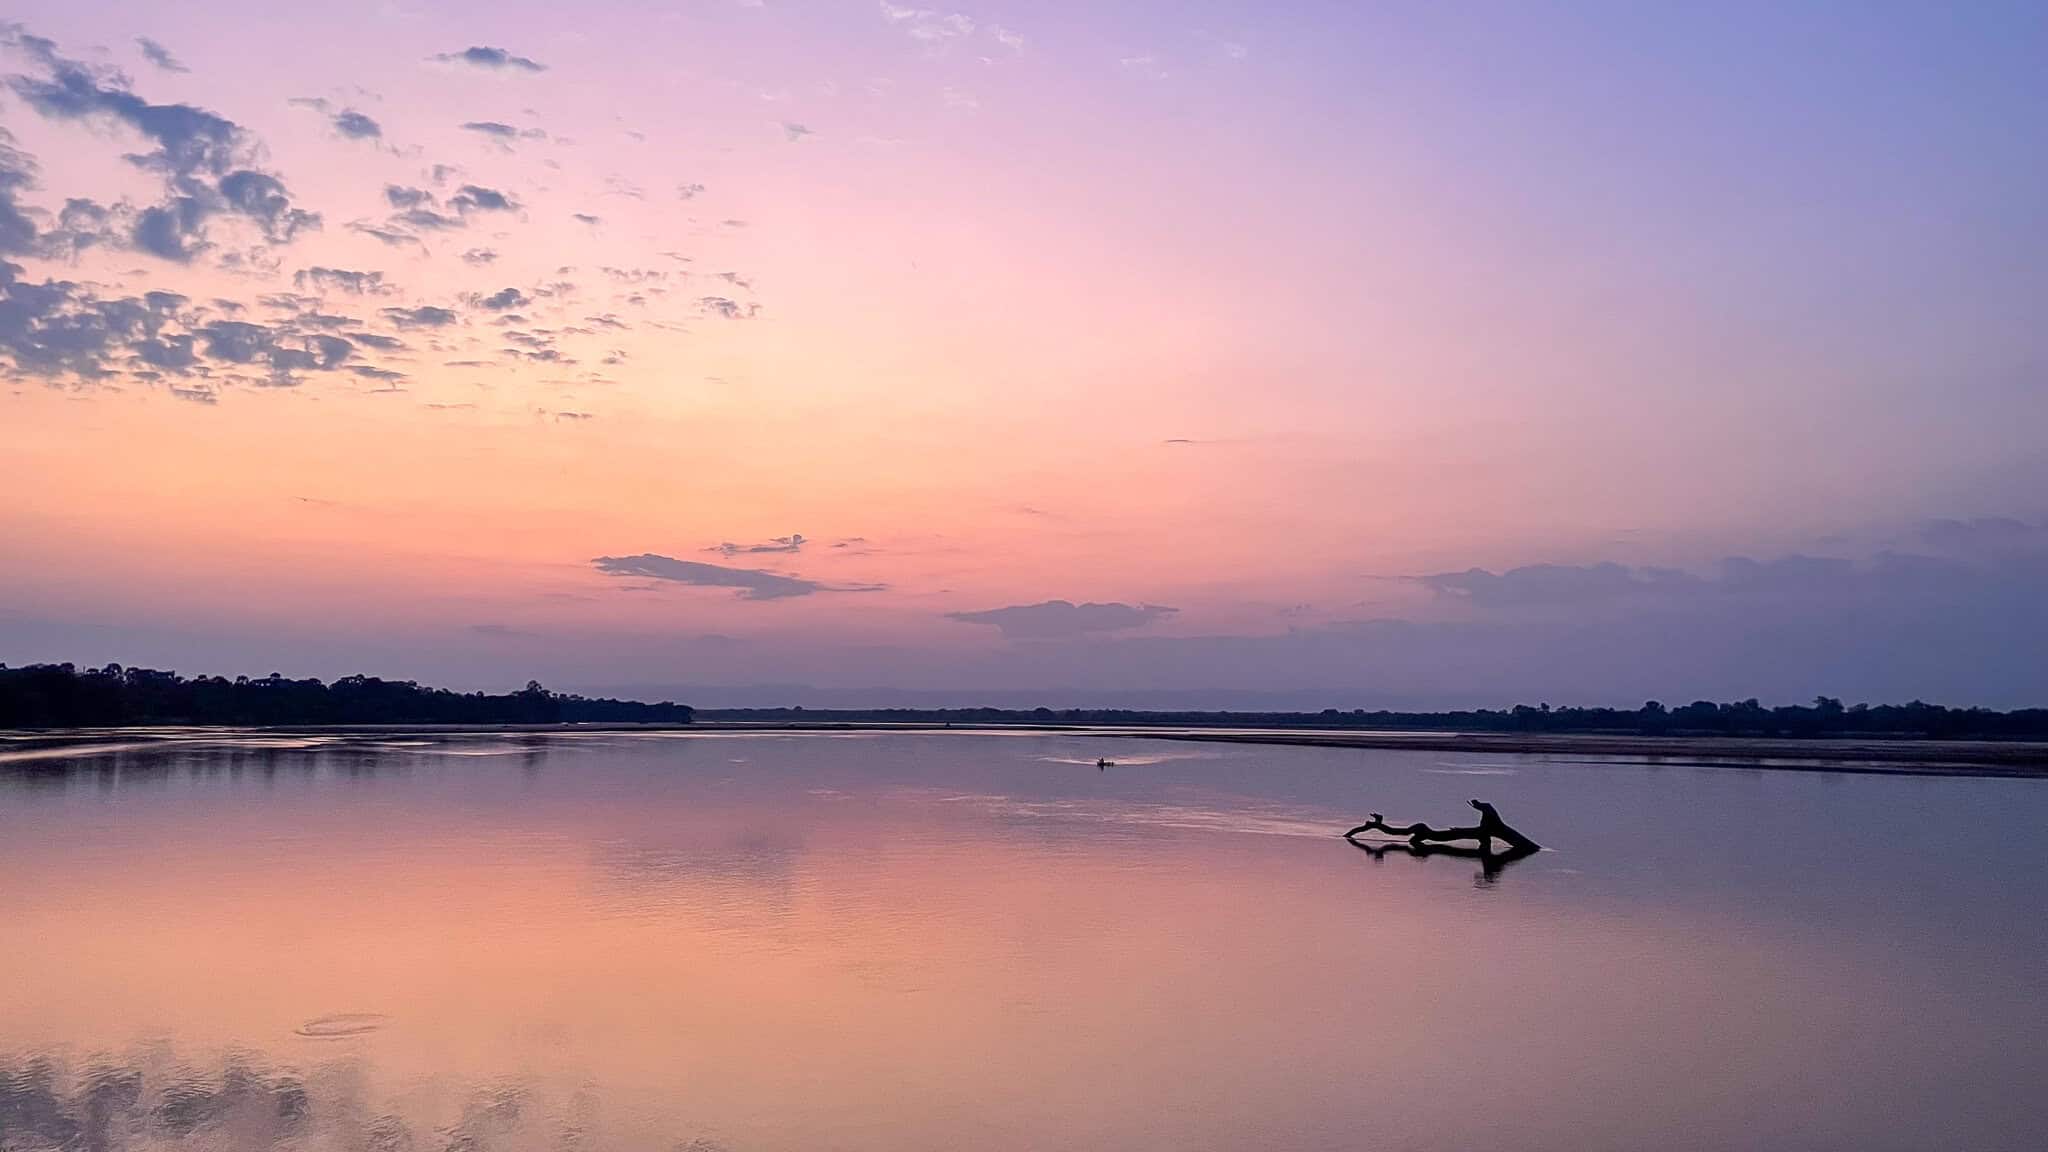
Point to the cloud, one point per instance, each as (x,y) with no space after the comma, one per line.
(159,55)
(56,329)
(18,233)
(926,25)
(496,59)
(794,131)
(474,198)
(241,342)
(393,237)
(1955,612)
(1556,584)
(502,132)
(206,162)
(426,219)
(587,218)
(1063,619)
(479,257)
(753,583)
(791,543)
(505,300)
(421,317)
(419,210)
(356,126)
(727,308)
(689,191)
(1952,613)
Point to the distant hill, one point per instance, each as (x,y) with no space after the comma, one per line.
(62,696)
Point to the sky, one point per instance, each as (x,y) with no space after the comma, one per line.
(766,351)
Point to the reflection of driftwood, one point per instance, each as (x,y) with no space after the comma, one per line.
(1490,863)
(1491,827)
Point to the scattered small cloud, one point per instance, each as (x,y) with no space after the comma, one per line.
(159,55)
(393,237)
(356,126)
(928,26)
(347,280)
(727,308)
(476,198)
(791,543)
(421,317)
(401,196)
(504,134)
(793,131)
(496,59)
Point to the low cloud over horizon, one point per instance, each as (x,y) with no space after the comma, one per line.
(753,583)
(1057,619)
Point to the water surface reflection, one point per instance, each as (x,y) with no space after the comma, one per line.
(937,940)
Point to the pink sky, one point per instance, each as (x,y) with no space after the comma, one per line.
(1270,318)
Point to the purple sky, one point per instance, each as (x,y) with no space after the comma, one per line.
(1347,354)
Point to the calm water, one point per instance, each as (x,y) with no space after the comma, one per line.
(948,941)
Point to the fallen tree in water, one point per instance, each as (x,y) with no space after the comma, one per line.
(1490,828)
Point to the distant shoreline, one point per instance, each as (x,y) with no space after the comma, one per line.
(1923,757)
(1912,757)
(2025,760)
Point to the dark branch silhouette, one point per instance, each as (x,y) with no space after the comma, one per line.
(1490,828)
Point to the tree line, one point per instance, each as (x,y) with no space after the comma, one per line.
(1825,716)
(63,696)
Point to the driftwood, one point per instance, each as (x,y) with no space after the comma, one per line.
(1490,828)
(1491,864)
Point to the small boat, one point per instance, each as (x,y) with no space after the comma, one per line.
(1104,763)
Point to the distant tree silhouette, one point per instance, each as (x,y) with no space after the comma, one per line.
(61,696)
(1826,717)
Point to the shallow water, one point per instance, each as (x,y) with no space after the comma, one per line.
(947,940)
